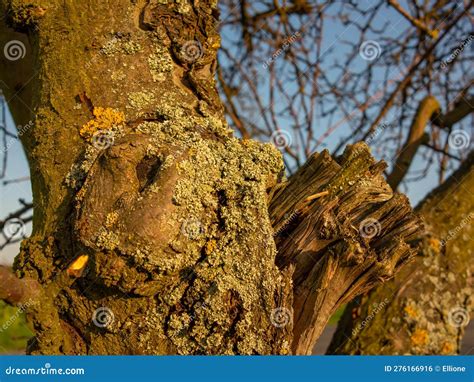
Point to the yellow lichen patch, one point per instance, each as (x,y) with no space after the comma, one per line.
(76,268)
(210,246)
(447,348)
(419,337)
(410,311)
(104,118)
(111,219)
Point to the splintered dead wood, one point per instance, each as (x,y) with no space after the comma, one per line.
(424,308)
(344,229)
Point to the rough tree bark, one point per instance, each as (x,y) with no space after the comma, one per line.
(344,229)
(426,307)
(151,230)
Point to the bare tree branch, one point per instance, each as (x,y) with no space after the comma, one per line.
(415,22)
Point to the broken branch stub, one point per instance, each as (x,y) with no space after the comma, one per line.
(344,229)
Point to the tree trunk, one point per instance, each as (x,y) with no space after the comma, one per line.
(151,230)
(426,307)
(156,243)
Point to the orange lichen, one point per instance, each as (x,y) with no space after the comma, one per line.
(210,247)
(410,311)
(447,348)
(419,337)
(104,118)
(77,266)
(434,244)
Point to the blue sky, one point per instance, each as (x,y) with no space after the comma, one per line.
(17,167)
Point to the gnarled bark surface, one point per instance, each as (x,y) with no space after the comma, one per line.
(426,307)
(134,169)
(151,231)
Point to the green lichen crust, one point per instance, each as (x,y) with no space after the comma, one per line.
(205,256)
